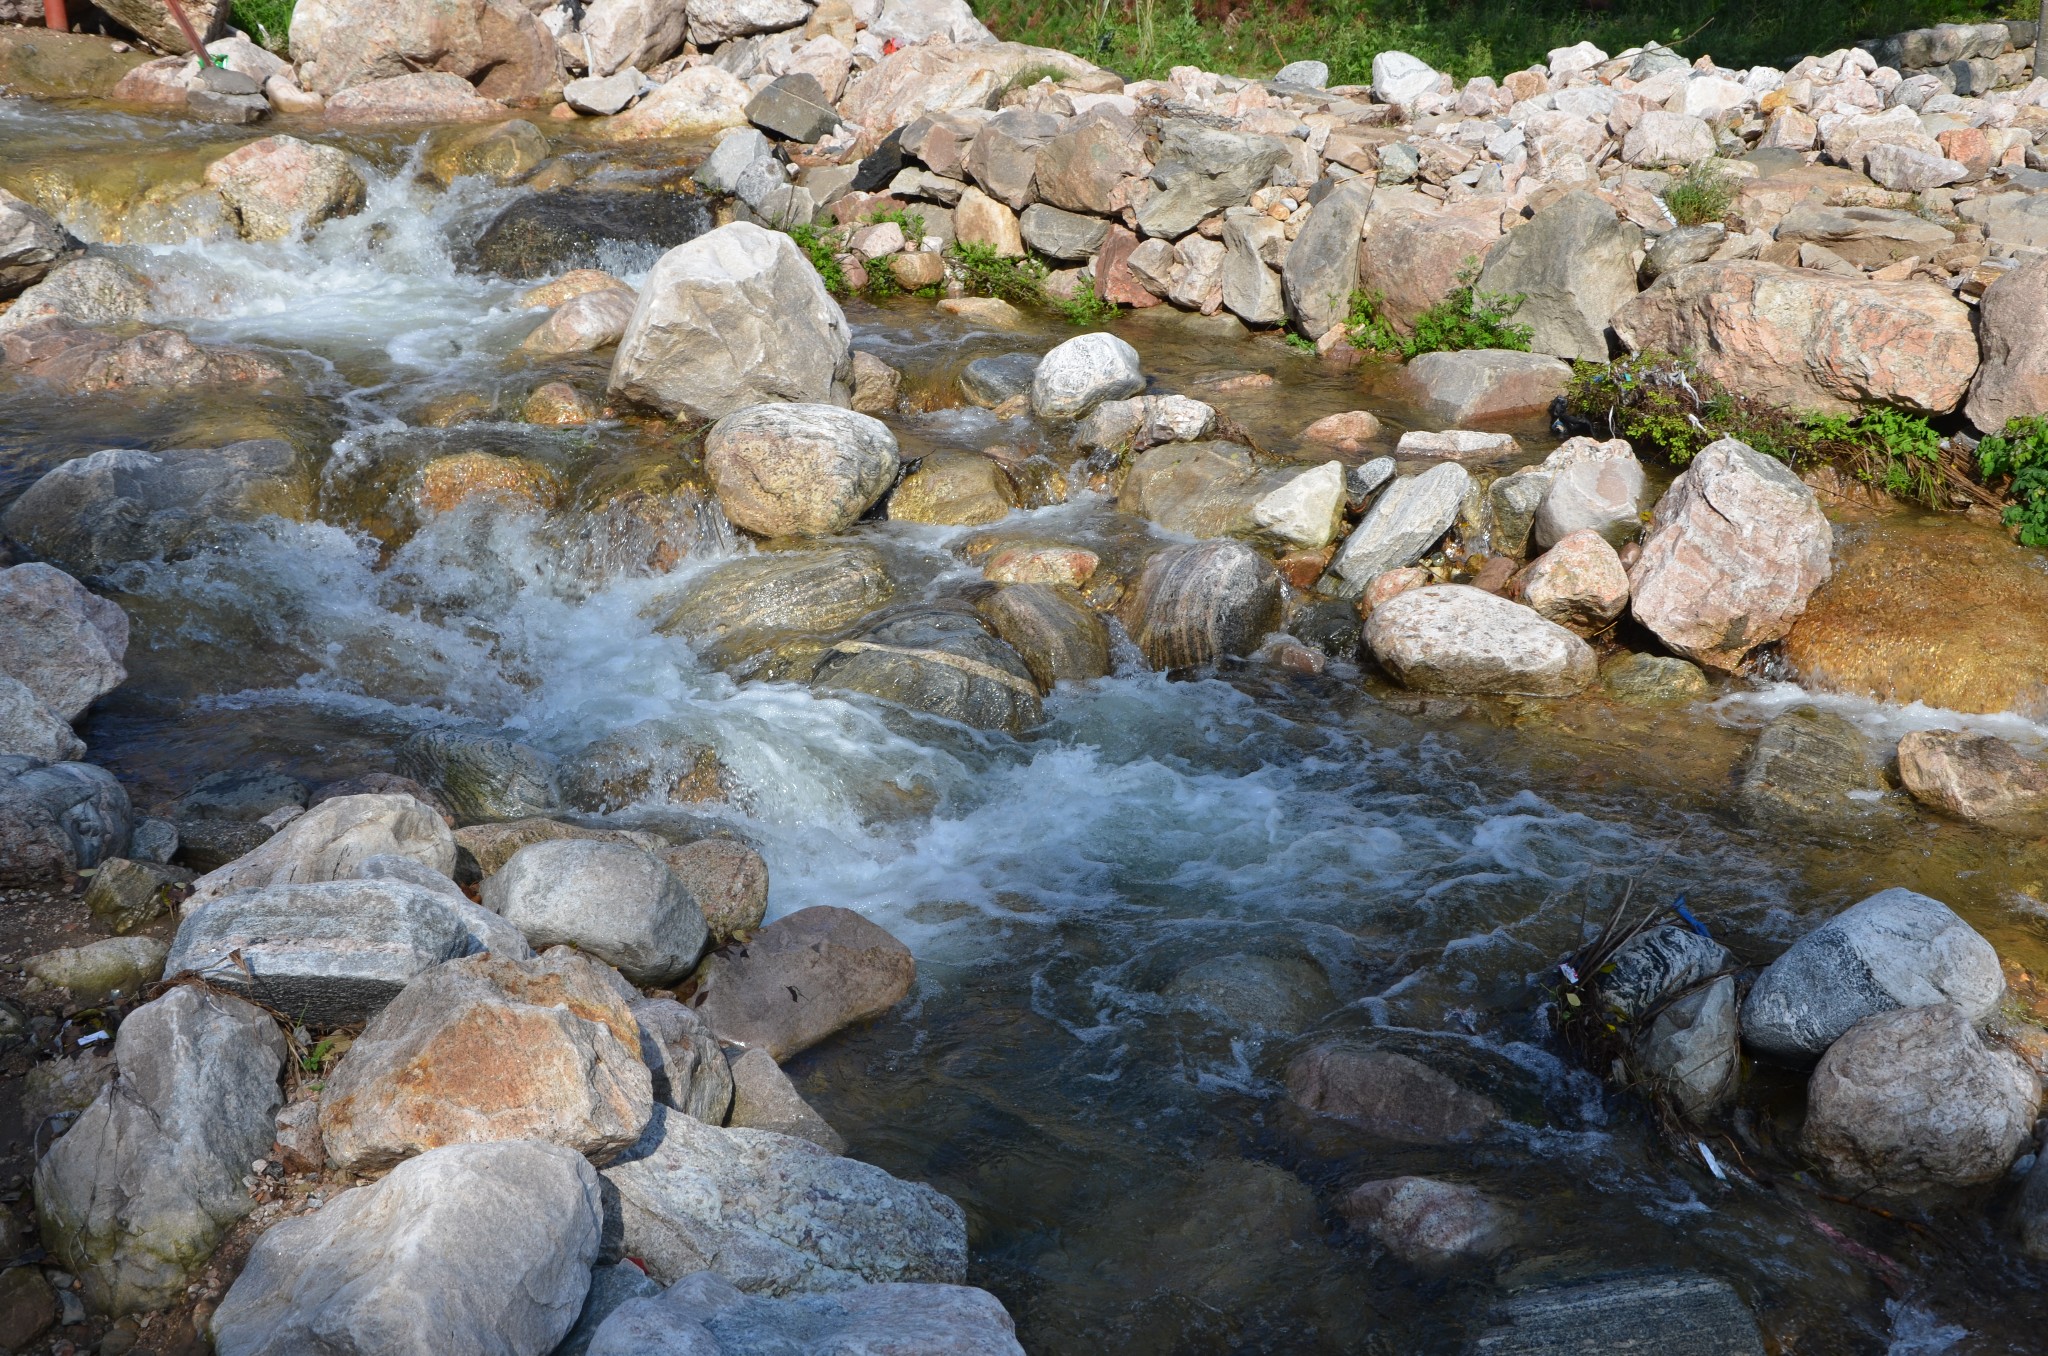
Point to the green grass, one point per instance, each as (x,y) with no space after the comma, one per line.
(2020,451)
(1142,39)
(1703,195)
(269,22)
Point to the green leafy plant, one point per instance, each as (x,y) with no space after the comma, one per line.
(1465,319)
(821,248)
(1703,195)
(269,22)
(1297,342)
(2020,451)
(1019,281)
(911,222)
(1087,310)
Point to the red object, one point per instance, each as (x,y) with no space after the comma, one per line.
(889,47)
(54,17)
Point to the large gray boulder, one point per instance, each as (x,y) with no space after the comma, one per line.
(1081,373)
(1896,949)
(735,611)
(1735,548)
(613,900)
(691,1074)
(1253,244)
(704,1315)
(112,507)
(31,244)
(58,640)
(334,953)
(470,1250)
(1915,1100)
(734,318)
(332,840)
(940,659)
(134,1198)
(1573,264)
(29,729)
(1203,170)
(1408,518)
(485,1048)
(57,819)
(802,978)
(1003,158)
(631,34)
(1456,638)
(799,470)
(1321,271)
(1195,603)
(775,1215)
(2013,377)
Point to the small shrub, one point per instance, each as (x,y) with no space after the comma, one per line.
(269,22)
(1087,310)
(821,247)
(1703,195)
(2020,451)
(1021,282)
(1297,342)
(1465,319)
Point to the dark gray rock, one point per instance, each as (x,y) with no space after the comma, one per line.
(1896,949)
(794,107)
(802,978)
(988,382)
(1670,1313)
(691,1074)
(549,233)
(610,1286)
(134,1198)
(1573,265)
(1387,1094)
(1193,603)
(1321,271)
(239,794)
(938,660)
(482,777)
(57,818)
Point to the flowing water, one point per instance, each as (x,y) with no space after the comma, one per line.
(1127,920)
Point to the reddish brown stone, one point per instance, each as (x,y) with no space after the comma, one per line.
(1114,280)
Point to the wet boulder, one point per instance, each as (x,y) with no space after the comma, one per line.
(1578,583)
(398,1266)
(1194,603)
(1971,776)
(31,244)
(938,659)
(1815,771)
(93,290)
(62,643)
(798,470)
(484,1049)
(282,187)
(1653,680)
(905,1320)
(1388,1095)
(690,1072)
(1675,1312)
(57,819)
(1916,1100)
(1409,517)
(1805,339)
(613,901)
(652,762)
(137,1193)
(734,611)
(1455,638)
(332,841)
(1052,627)
(120,505)
(990,381)
(734,318)
(1081,373)
(334,953)
(500,46)
(1896,949)
(58,354)
(482,777)
(775,1215)
(587,321)
(1284,994)
(802,978)
(542,234)
(1573,264)
(1423,1221)
(504,152)
(954,489)
(1735,548)
(763,1098)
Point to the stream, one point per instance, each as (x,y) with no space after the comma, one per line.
(1126,921)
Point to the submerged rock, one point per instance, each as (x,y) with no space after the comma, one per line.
(774,1215)
(1653,679)
(705,1313)
(62,356)
(734,611)
(1388,1095)
(548,233)
(111,507)
(402,1265)
(954,489)
(1455,638)
(617,902)
(482,777)
(1736,547)
(1915,1100)
(1195,603)
(798,470)
(734,318)
(802,978)
(486,1049)
(1896,949)
(938,660)
(1816,771)
(134,1198)
(1422,1221)
(1676,1313)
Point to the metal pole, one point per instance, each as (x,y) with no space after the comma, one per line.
(54,17)
(191,34)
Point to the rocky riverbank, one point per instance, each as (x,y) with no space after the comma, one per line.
(464,951)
